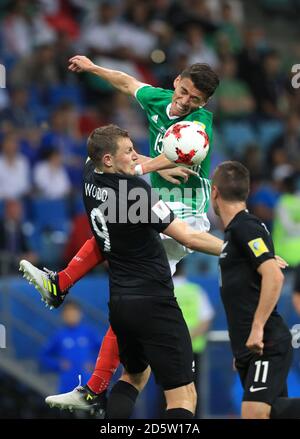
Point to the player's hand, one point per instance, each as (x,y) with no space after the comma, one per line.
(281,262)
(80,63)
(255,340)
(180,171)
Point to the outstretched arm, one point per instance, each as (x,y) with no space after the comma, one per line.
(120,80)
(164,167)
(199,241)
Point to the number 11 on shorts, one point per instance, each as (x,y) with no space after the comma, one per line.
(264,366)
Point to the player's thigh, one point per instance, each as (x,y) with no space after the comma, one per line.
(131,352)
(264,377)
(176,251)
(168,345)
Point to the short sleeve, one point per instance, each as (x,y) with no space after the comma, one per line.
(161,215)
(148,96)
(144,94)
(254,241)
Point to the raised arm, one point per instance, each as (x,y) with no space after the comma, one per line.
(199,241)
(168,170)
(120,80)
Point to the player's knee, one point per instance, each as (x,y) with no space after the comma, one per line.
(255,410)
(182,397)
(192,395)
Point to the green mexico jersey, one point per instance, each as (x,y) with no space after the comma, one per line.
(190,198)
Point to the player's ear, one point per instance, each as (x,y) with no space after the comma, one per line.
(176,81)
(204,103)
(214,192)
(107,160)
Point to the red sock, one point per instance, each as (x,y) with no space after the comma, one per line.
(85,259)
(107,363)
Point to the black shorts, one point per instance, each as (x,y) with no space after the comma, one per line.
(152,331)
(264,377)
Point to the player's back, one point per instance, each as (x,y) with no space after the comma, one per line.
(126,217)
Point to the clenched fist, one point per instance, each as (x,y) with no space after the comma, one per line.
(79,63)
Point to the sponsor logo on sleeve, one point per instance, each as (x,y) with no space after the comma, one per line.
(161,210)
(258,247)
(202,125)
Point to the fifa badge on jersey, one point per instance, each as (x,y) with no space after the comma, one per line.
(202,125)
(161,210)
(258,246)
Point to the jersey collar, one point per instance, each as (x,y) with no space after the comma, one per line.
(238,215)
(168,112)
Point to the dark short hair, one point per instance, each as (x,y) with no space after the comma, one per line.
(203,77)
(232,180)
(104,140)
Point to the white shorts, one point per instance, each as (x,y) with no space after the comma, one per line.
(176,251)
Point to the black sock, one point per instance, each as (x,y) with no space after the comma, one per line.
(178,414)
(285,408)
(121,401)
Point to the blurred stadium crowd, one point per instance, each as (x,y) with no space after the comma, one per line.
(46,112)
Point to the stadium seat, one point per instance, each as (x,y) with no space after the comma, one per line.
(268,131)
(50,214)
(236,135)
(61,93)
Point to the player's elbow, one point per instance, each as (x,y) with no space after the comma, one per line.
(279,277)
(275,279)
(271,273)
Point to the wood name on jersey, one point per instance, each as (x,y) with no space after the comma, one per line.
(95,192)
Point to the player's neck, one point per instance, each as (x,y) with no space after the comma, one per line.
(106,170)
(229,210)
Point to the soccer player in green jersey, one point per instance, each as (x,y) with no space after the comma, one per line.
(192,88)
(187,197)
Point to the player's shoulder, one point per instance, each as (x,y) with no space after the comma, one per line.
(153,91)
(89,166)
(245,221)
(134,181)
(201,115)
